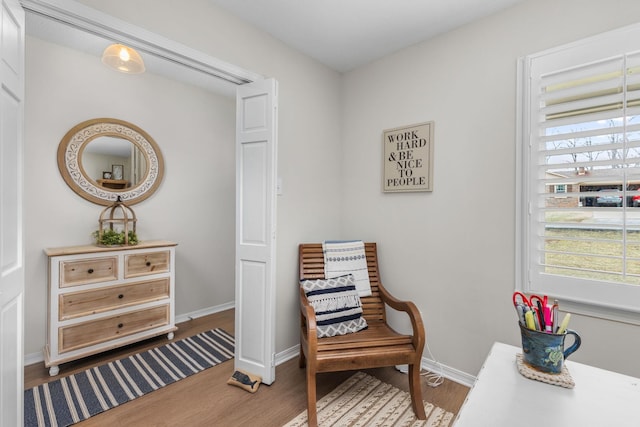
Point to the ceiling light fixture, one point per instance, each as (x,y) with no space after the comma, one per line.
(123,59)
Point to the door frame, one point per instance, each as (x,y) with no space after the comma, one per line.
(12,248)
(77,15)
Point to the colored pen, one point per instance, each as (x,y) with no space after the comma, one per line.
(520,310)
(556,321)
(541,316)
(536,319)
(548,327)
(528,316)
(565,322)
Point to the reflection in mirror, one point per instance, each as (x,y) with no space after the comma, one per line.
(106,159)
(102,158)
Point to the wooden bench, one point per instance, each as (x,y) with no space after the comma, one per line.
(376,346)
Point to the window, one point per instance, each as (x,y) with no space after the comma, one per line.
(580,136)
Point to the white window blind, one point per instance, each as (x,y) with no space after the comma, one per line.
(581,132)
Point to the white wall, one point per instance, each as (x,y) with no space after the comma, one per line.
(452,250)
(194,205)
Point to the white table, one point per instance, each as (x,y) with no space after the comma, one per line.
(502,397)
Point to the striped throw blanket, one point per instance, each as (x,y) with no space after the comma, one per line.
(347,257)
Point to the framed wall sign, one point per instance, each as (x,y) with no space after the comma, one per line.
(117,171)
(408,158)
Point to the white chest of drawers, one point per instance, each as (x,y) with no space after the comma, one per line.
(101,298)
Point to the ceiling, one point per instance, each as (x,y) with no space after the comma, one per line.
(345,34)
(342,34)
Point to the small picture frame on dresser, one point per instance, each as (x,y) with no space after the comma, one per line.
(106,175)
(117,171)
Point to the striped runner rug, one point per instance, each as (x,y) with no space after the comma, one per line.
(74,398)
(363,400)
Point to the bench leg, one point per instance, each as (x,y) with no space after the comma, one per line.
(312,414)
(416,392)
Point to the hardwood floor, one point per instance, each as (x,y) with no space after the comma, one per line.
(205,399)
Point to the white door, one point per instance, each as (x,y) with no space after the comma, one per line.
(256,148)
(11,244)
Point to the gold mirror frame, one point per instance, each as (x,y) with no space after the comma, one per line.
(73,144)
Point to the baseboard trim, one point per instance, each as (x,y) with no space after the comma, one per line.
(448,372)
(38,357)
(204,312)
(288,354)
(428,364)
(33,358)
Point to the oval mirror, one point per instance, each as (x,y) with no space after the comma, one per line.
(103,156)
(101,159)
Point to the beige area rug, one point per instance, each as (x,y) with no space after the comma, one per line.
(363,400)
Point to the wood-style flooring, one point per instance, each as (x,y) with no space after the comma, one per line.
(205,399)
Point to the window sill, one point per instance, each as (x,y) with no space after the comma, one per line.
(601,312)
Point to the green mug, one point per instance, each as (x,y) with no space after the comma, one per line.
(545,351)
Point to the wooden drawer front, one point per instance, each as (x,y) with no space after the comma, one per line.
(98,331)
(76,304)
(94,270)
(147,263)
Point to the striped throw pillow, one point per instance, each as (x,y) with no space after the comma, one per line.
(337,305)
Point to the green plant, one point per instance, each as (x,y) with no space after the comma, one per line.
(112,237)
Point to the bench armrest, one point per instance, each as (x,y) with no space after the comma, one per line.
(413,313)
(308,320)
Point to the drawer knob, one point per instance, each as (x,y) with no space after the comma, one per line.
(120,296)
(120,325)
(148,263)
(90,270)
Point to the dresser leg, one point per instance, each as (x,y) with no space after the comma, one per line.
(170,336)
(54,370)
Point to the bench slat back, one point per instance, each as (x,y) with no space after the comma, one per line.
(311,267)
